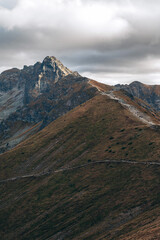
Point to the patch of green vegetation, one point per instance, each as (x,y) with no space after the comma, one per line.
(123,148)
(111,138)
(122,130)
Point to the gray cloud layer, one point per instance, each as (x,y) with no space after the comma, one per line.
(113,41)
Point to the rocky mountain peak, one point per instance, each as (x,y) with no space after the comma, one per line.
(52,64)
(38,93)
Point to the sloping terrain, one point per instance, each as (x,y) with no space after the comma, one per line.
(136,106)
(36,95)
(72,193)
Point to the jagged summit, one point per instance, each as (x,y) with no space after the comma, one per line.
(52,58)
(51,62)
(50,69)
(39,76)
(38,93)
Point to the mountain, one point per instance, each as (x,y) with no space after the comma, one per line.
(35,96)
(92,173)
(149,93)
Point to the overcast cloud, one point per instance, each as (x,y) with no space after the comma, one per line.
(114,41)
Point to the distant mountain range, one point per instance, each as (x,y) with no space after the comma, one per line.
(79,159)
(33,97)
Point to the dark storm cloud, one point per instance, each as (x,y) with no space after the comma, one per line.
(101,38)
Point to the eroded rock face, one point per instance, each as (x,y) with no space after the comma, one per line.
(21,87)
(39,93)
(148,93)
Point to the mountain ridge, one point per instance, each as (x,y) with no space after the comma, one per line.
(81,159)
(149,93)
(36,95)
(113,200)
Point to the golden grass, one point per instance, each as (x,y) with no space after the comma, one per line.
(109,201)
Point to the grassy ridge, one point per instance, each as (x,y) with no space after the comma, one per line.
(98,129)
(97,202)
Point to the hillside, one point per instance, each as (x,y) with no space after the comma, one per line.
(60,185)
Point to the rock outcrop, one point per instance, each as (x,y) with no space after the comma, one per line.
(149,93)
(39,93)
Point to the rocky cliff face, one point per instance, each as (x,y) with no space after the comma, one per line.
(149,93)
(20,87)
(39,93)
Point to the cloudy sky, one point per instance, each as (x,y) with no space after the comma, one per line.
(113,41)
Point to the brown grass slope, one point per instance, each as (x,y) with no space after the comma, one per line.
(105,201)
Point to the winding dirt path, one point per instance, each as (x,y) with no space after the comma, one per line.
(77,167)
(137,113)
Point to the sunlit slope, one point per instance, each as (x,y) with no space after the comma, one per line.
(98,129)
(99,201)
